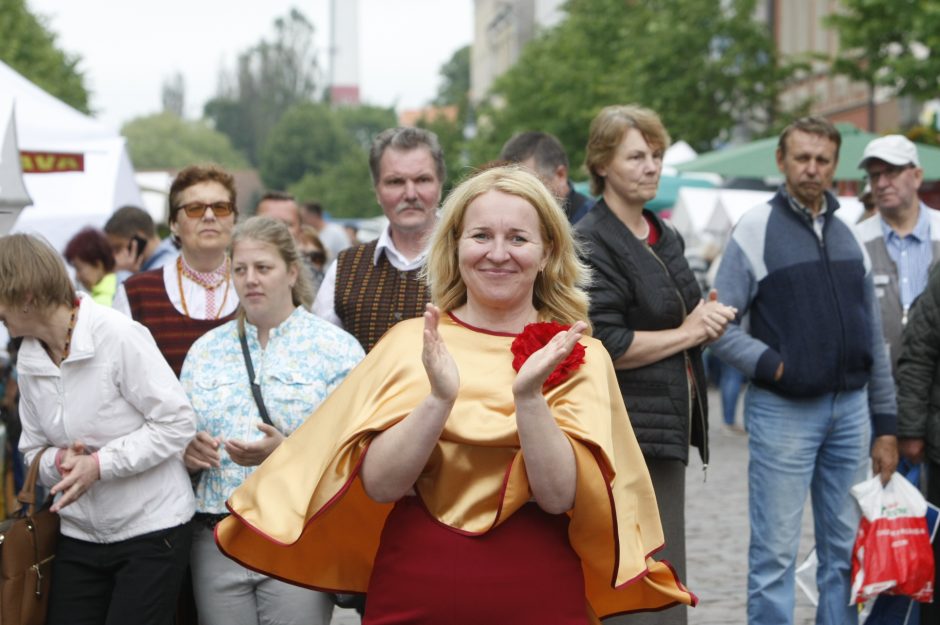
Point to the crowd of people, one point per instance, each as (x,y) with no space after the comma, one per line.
(484,415)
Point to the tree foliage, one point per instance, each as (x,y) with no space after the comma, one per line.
(706,66)
(453,90)
(894,43)
(343,188)
(29,47)
(320,153)
(270,78)
(307,139)
(173,95)
(164,141)
(364,122)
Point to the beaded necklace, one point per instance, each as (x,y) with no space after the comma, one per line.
(203,282)
(73,317)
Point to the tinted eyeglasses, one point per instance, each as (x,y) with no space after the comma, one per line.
(196,210)
(316,257)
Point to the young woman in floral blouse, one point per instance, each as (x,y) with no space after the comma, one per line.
(298,359)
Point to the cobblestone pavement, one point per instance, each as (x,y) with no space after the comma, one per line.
(716,534)
(717,531)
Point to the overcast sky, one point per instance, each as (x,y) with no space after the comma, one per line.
(129,47)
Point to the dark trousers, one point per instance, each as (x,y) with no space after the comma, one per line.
(130,581)
(930,612)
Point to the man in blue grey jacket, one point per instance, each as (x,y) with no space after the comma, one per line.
(821,387)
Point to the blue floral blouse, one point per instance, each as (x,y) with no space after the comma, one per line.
(305,359)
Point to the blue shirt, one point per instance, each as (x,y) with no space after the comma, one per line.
(305,359)
(912,255)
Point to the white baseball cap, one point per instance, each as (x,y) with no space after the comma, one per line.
(893,149)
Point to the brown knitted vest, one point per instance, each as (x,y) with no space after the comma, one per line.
(372,297)
(173,331)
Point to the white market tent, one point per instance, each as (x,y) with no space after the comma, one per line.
(76,169)
(694,207)
(13,195)
(706,216)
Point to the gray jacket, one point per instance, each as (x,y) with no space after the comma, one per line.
(885,277)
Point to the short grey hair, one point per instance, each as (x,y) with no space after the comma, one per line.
(406,139)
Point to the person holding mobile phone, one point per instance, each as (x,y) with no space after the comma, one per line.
(135,243)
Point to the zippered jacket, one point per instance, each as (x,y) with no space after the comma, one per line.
(919,370)
(807,302)
(641,288)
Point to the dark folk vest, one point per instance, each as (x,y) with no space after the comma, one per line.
(173,331)
(372,297)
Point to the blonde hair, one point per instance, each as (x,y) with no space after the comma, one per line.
(276,233)
(607,131)
(559,293)
(32,272)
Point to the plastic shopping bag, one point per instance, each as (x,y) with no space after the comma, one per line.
(892,551)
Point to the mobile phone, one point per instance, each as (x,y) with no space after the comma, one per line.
(141,246)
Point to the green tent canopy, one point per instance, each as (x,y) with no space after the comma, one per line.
(757,159)
(666,194)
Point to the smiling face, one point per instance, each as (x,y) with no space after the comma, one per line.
(500,252)
(209,234)
(632,176)
(263,282)
(408,189)
(809,166)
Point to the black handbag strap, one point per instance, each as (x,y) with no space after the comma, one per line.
(255,389)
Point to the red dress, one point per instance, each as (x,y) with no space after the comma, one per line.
(523,571)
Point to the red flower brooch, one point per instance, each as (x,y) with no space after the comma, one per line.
(534,337)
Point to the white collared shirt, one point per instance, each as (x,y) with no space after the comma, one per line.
(325,305)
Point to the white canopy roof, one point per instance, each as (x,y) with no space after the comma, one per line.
(13,195)
(65,201)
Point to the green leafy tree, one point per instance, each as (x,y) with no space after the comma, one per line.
(364,122)
(269,79)
(164,141)
(29,47)
(343,188)
(307,139)
(173,95)
(706,66)
(455,80)
(894,43)
(453,90)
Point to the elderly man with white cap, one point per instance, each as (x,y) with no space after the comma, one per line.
(903,239)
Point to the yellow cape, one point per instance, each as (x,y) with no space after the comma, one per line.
(304,517)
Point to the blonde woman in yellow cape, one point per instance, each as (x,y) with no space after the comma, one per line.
(449,485)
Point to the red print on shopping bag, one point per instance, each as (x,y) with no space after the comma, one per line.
(892,553)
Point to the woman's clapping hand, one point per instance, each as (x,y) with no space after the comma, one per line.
(540,364)
(439,364)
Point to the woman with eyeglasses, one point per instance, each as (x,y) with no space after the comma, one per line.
(314,254)
(185,299)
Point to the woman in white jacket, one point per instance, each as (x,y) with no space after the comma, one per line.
(95,388)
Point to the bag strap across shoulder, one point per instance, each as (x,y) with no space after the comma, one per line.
(255,388)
